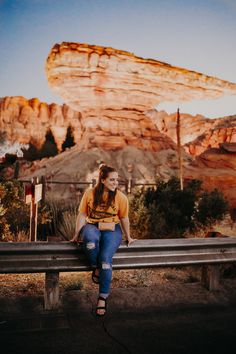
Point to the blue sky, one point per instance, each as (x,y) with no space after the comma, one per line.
(198,35)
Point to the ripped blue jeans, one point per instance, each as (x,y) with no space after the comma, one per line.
(100,246)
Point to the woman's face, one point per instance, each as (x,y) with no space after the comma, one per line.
(111,182)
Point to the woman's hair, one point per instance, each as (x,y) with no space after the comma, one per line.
(104,171)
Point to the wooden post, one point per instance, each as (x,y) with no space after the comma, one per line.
(33,214)
(129,187)
(211,277)
(93,182)
(51,291)
(43,181)
(178,133)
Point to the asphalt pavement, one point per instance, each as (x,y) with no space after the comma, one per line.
(149,326)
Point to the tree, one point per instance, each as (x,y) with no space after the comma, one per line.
(212,206)
(69,140)
(32,153)
(49,148)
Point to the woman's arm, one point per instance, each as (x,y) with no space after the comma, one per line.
(80,222)
(126,229)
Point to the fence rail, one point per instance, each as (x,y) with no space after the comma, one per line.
(129,184)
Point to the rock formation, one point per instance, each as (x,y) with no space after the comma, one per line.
(92,78)
(111,96)
(27,121)
(113,89)
(217,169)
(197,132)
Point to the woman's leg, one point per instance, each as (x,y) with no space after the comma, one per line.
(109,243)
(90,236)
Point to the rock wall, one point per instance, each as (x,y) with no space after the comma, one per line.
(27,121)
(197,132)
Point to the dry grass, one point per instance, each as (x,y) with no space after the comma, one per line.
(12,285)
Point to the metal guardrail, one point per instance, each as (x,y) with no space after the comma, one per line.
(65,257)
(52,258)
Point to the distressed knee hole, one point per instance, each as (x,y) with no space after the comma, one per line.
(90,245)
(106,266)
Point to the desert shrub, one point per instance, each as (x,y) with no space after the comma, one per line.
(63,219)
(15,215)
(168,211)
(211,207)
(139,216)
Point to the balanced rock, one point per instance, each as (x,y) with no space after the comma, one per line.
(113,89)
(90,77)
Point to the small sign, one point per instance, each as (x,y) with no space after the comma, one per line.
(38,188)
(29,192)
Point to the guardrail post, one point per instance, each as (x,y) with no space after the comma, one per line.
(51,291)
(211,276)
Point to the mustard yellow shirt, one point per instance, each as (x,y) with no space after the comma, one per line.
(119,209)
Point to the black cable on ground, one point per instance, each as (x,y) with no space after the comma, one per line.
(104,326)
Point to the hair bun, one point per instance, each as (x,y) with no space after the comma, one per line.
(102,165)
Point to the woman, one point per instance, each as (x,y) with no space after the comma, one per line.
(102,212)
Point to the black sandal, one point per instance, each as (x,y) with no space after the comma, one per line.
(101,307)
(95,277)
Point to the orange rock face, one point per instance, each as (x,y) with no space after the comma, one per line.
(113,89)
(216,169)
(197,132)
(27,121)
(222,131)
(90,77)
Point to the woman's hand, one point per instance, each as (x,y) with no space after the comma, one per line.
(130,240)
(74,239)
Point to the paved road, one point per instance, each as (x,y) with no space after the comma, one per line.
(203,330)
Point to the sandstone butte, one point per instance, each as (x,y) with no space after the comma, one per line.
(113,90)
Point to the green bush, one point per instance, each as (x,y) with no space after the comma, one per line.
(211,207)
(14,213)
(168,211)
